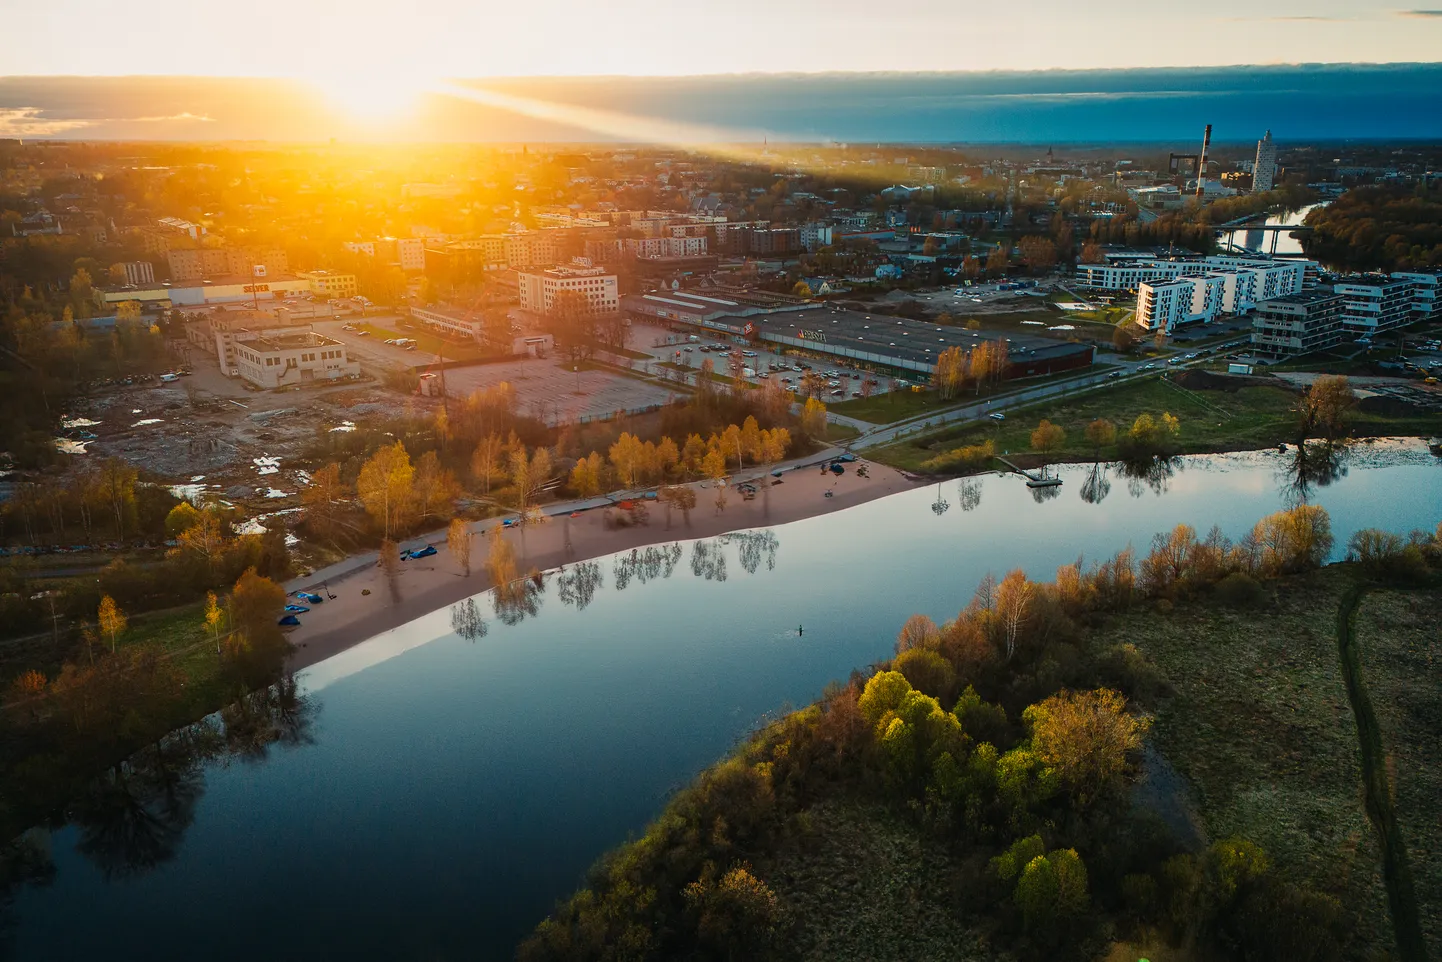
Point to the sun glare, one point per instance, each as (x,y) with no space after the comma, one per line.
(372,96)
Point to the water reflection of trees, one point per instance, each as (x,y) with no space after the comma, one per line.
(1312,465)
(467,621)
(134,817)
(517,600)
(753,546)
(1043,493)
(969,493)
(578,584)
(1153,473)
(708,560)
(645,564)
(1097,485)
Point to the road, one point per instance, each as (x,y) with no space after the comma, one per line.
(1131,369)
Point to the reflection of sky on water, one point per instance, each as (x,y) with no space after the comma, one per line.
(464,772)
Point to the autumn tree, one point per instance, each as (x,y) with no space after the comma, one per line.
(529,474)
(458,539)
(256,604)
(435,488)
(203,541)
(1326,407)
(500,558)
(1101,433)
(1047,437)
(949,373)
(813,418)
(1014,596)
(1123,339)
(1085,737)
(1038,252)
(322,498)
(214,619)
(1091,253)
(736,916)
(586,476)
(387,487)
(997,261)
(485,461)
(988,363)
(116,483)
(627,455)
(111,619)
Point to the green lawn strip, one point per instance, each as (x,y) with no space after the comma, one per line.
(1257,719)
(1256,417)
(837,433)
(893,406)
(1396,646)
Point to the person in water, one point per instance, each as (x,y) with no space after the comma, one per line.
(800,631)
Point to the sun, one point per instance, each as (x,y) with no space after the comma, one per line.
(372,96)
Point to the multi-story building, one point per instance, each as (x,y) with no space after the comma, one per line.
(530,248)
(330,283)
(815,236)
(538,289)
(1374,302)
(682,246)
(1425,286)
(1269,278)
(275,360)
(408,253)
(1264,169)
(1165,305)
(197,263)
(217,332)
(1297,323)
(463,325)
(138,273)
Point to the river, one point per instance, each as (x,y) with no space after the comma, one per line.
(1286,243)
(448,787)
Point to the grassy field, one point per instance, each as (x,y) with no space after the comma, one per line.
(1249,418)
(893,406)
(862,883)
(1258,721)
(837,433)
(1399,651)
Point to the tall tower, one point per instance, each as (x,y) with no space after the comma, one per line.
(1202,161)
(1264,171)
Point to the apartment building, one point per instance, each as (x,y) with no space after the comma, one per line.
(197,263)
(1297,323)
(409,253)
(538,289)
(1375,303)
(1166,305)
(275,360)
(330,284)
(1274,277)
(1425,285)
(650,247)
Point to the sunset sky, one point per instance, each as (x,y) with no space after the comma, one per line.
(466,38)
(1027,69)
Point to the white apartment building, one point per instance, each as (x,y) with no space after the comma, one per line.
(815,236)
(219,332)
(1425,285)
(1247,281)
(274,360)
(538,289)
(1264,170)
(649,247)
(1298,323)
(1166,305)
(1373,303)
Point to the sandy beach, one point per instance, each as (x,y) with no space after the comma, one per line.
(427,584)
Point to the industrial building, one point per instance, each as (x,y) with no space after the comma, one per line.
(274,360)
(218,331)
(1298,323)
(876,341)
(219,290)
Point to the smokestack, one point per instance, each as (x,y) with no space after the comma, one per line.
(1202,161)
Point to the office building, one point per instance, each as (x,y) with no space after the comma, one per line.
(1297,323)
(1374,302)
(274,360)
(538,289)
(1264,169)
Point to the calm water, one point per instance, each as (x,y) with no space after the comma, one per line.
(1286,243)
(451,789)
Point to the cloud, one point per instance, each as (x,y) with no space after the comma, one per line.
(30,122)
(1419,13)
(180,118)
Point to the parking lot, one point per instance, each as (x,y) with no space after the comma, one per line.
(370,350)
(549,390)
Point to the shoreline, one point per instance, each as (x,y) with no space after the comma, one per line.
(428,584)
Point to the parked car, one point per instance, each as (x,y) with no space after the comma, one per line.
(995,416)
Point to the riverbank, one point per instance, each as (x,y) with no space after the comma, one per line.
(367,603)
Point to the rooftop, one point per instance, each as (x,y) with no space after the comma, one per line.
(288,342)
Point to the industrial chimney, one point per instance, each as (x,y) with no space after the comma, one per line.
(1202,161)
